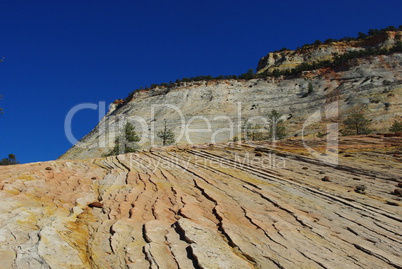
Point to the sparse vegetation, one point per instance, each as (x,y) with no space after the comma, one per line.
(253,132)
(166,135)
(125,142)
(248,75)
(330,40)
(337,61)
(356,124)
(310,90)
(318,42)
(282,49)
(396,126)
(360,35)
(10,160)
(276,127)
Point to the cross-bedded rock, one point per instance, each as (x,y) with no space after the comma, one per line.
(207,207)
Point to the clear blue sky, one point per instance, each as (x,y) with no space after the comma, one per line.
(62,53)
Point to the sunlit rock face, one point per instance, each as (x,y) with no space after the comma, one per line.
(262,205)
(288,59)
(215,111)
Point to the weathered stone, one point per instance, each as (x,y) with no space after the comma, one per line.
(392,203)
(326,178)
(225,105)
(361,189)
(96,204)
(397,192)
(202,207)
(288,59)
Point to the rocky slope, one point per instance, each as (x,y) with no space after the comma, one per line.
(289,59)
(219,108)
(259,205)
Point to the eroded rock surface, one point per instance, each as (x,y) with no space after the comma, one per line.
(220,108)
(207,206)
(288,59)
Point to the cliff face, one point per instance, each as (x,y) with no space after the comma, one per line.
(289,59)
(219,108)
(262,204)
(221,206)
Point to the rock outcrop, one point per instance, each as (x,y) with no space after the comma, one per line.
(207,206)
(215,111)
(288,59)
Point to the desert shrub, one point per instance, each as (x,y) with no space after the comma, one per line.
(318,42)
(361,35)
(396,126)
(10,160)
(330,40)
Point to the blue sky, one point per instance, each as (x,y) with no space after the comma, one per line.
(62,53)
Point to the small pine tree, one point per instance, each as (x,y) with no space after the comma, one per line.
(125,142)
(356,124)
(361,35)
(396,126)
(166,135)
(253,132)
(248,75)
(310,88)
(276,128)
(318,42)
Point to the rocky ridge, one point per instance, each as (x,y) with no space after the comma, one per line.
(219,108)
(288,59)
(250,205)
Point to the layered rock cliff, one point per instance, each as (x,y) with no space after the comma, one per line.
(217,109)
(215,206)
(247,204)
(288,59)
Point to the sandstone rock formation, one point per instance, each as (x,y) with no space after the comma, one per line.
(218,109)
(288,59)
(207,206)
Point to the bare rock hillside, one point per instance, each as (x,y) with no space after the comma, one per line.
(288,59)
(259,205)
(215,111)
